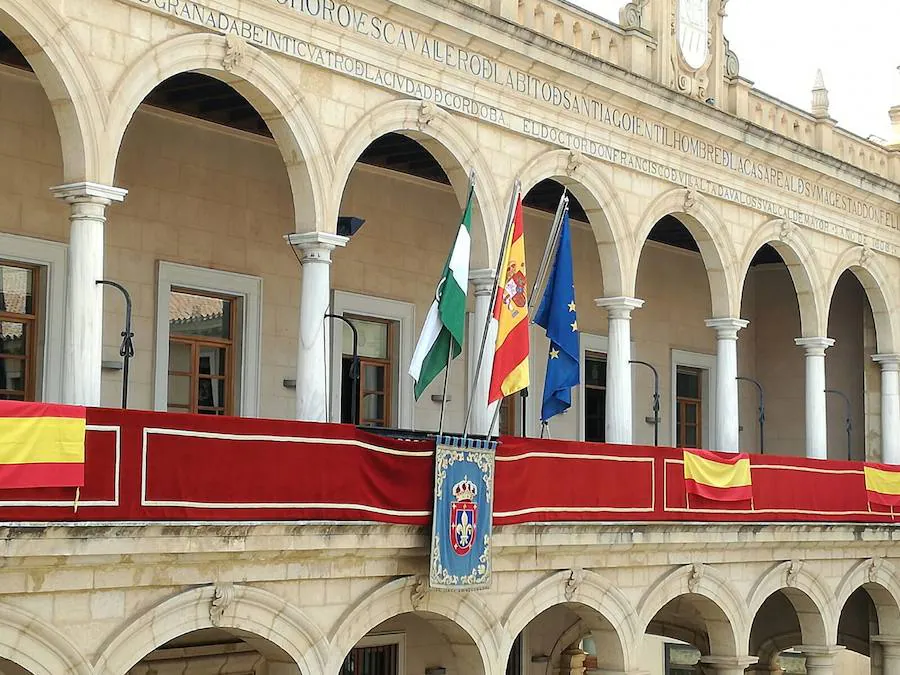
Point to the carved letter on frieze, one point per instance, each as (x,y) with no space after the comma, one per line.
(223,596)
(694,577)
(790,577)
(235,50)
(417,595)
(576,159)
(427,113)
(572,584)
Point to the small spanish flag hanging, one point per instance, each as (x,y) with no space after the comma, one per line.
(882,484)
(41,445)
(723,477)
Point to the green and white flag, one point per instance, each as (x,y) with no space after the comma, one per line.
(445,325)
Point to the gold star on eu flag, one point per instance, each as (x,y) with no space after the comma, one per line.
(574,325)
(554,353)
(572,306)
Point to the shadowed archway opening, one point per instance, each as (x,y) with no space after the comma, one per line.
(414,642)
(686,629)
(564,639)
(11,668)
(216,650)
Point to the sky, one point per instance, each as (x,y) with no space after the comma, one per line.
(781,43)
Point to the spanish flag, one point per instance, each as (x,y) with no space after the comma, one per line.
(510,370)
(723,477)
(41,445)
(882,484)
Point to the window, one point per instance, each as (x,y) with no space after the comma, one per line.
(594,397)
(378,660)
(201,353)
(507,422)
(19,294)
(207,341)
(681,659)
(689,411)
(377,351)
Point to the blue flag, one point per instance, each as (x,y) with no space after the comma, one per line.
(557,315)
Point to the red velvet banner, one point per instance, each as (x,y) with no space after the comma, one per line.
(144,466)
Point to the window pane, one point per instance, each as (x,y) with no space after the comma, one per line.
(690,413)
(12,337)
(12,374)
(347,392)
(595,415)
(688,383)
(16,290)
(690,436)
(507,416)
(201,315)
(213,360)
(373,377)
(210,393)
(373,407)
(180,357)
(373,338)
(179,390)
(595,370)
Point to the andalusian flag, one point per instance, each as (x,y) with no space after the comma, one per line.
(41,445)
(883,484)
(445,326)
(716,476)
(510,371)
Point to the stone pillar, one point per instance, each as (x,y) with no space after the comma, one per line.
(820,660)
(618,369)
(890,407)
(816,417)
(83,332)
(571,662)
(727,421)
(727,665)
(890,654)
(483,285)
(314,249)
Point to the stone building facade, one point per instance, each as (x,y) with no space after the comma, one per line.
(215,157)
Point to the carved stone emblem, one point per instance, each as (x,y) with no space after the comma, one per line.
(631,15)
(874,568)
(235,50)
(693,31)
(793,570)
(427,113)
(572,584)
(786,230)
(223,596)
(418,592)
(694,577)
(690,199)
(732,64)
(865,255)
(576,159)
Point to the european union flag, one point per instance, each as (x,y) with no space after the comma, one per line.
(557,315)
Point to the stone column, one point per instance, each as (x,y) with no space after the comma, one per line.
(820,660)
(314,249)
(618,369)
(83,331)
(890,407)
(483,285)
(890,654)
(727,665)
(816,417)
(727,421)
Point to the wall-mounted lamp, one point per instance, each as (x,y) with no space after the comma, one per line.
(347,226)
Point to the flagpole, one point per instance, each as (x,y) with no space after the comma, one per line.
(484,333)
(548,250)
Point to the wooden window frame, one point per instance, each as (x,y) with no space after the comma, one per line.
(683,401)
(32,322)
(387,364)
(195,343)
(590,354)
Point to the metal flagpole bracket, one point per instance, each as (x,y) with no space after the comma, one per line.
(354,365)
(126,350)
(655,398)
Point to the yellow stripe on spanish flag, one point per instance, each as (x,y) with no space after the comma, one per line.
(723,477)
(41,445)
(882,484)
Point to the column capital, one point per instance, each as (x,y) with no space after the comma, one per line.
(619,307)
(814,346)
(887,361)
(729,662)
(86,191)
(482,281)
(727,327)
(315,246)
(820,651)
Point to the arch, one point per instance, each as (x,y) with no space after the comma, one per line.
(441,135)
(880,579)
(35,645)
(259,79)
(812,600)
(707,582)
(250,609)
(584,588)
(73,88)
(801,264)
(585,179)
(466,611)
(696,214)
(875,280)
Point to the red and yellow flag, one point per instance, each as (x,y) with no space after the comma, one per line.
(41,445)
(510,371)
(715,476)
(882,484)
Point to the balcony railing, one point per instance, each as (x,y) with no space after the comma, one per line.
(153,467)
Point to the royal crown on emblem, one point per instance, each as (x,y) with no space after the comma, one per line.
(465,490)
